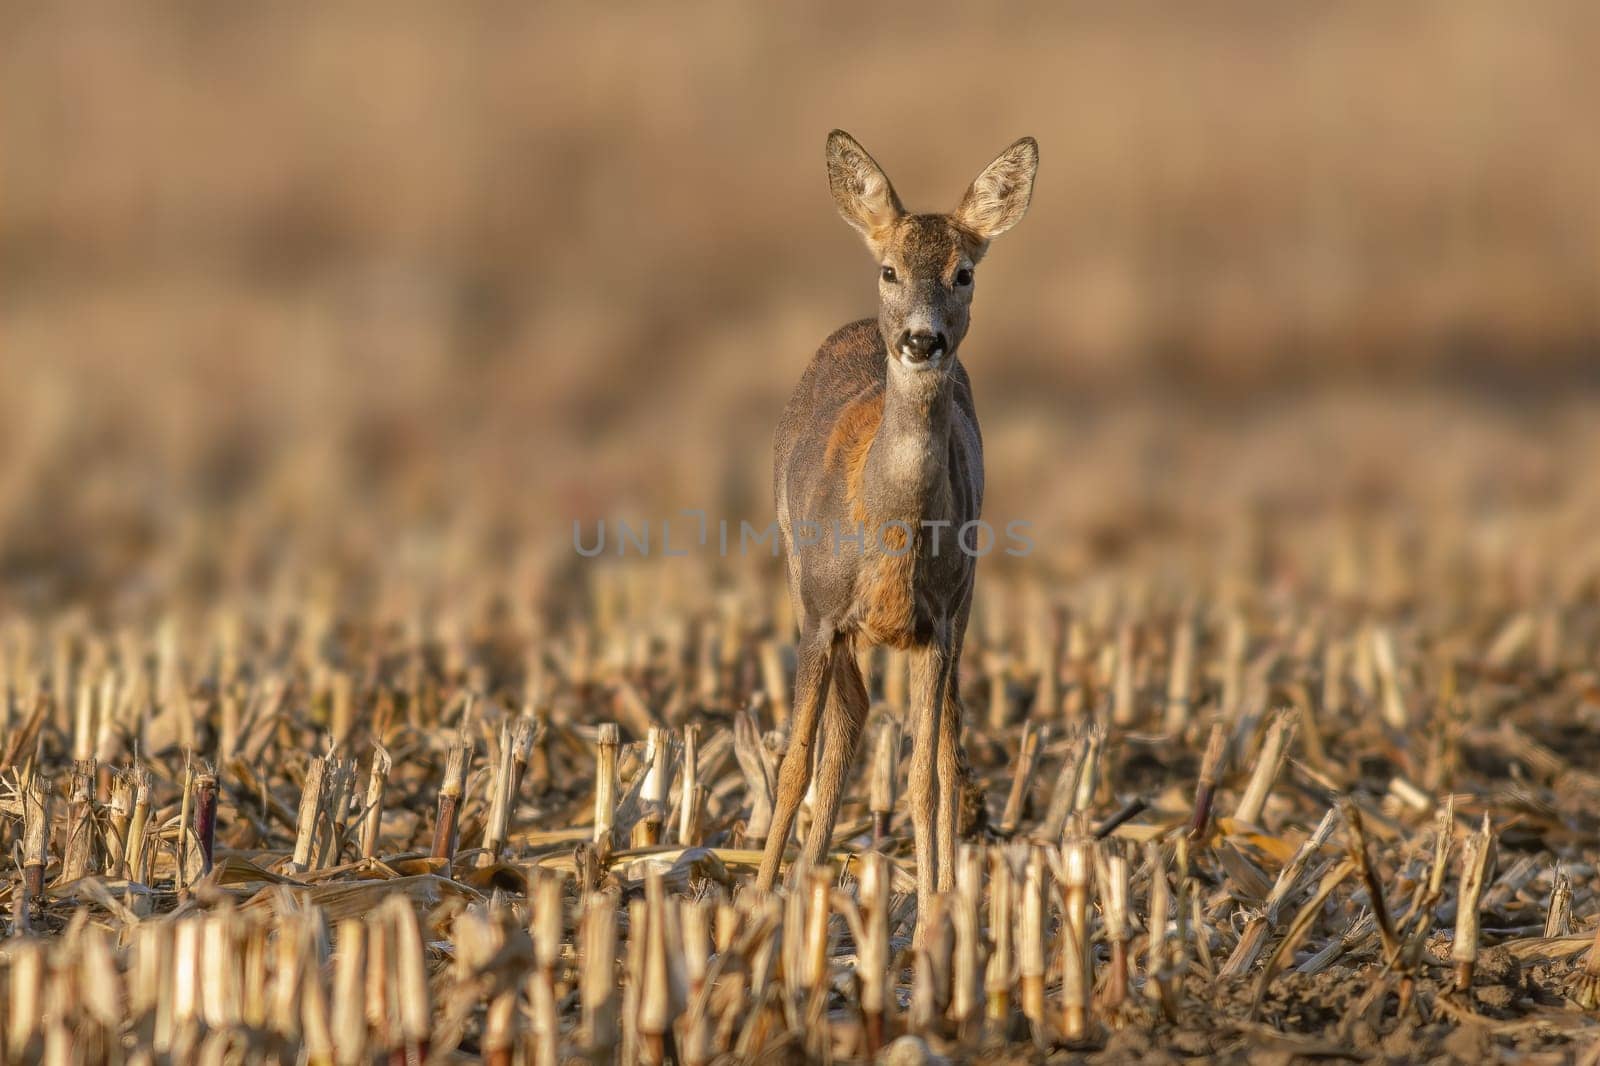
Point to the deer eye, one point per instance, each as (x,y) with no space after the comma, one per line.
(964,276)
(889,275)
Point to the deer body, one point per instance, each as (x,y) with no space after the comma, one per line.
(878,464)
(885,458)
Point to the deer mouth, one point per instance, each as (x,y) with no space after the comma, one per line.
(921,358)
(921,364)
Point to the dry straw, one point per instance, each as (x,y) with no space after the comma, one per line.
(524,841)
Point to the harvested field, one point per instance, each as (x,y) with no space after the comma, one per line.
(1318,786)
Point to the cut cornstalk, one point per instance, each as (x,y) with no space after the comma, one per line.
(121,813)
(205,816)
(966,970)
(1356,840)
(500,801)
(1089,771)
(1558,915)
(691,797)
(1114,906)
(35,835)
(871,931)
(653,795)
(80,857)
(411,995)
(1180,680)
(1299,927)
(1280,736)
(1124,708)
(1583,987)
(349,1024)
(1205,792)
(1076,959)
(1393,705)
(695,1031)
(1065,792)
(1159,985)
(1031,943)
(372,819)
(930,979)
(605,787)
(814,960)
(1259,928)
(544,892)
(452,790)
(1477,859)
(597,983)
(137,852)
(658,1004)
(184,833)
(885,779)
(998,973)
(775,680)
(311,794)
(1027,761)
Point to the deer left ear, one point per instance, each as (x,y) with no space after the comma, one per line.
(999,197)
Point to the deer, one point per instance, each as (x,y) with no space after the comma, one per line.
(877,468)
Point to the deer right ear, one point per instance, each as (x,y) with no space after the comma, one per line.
(860,188)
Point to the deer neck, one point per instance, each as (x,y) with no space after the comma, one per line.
(906,470)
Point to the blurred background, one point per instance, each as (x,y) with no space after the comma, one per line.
(336,281)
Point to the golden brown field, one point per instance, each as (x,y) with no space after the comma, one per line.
(320,328)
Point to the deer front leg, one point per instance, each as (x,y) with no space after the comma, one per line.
(811,694)
(928,673)
(841,734)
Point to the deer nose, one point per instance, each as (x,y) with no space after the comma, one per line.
(922,345)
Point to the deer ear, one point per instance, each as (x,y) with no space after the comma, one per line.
(999,197)
(860,187)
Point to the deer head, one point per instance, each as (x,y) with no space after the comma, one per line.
(927,262)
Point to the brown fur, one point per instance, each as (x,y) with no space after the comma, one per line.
(885,586)
(931,245)
(889,596)
(849,443)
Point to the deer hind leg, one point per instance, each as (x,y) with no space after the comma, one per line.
(952,779)
(952,768)
(811,694)
(841,735)
(928,675)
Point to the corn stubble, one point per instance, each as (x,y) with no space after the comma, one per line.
(350,833)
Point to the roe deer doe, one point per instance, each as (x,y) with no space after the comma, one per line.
(880,442)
